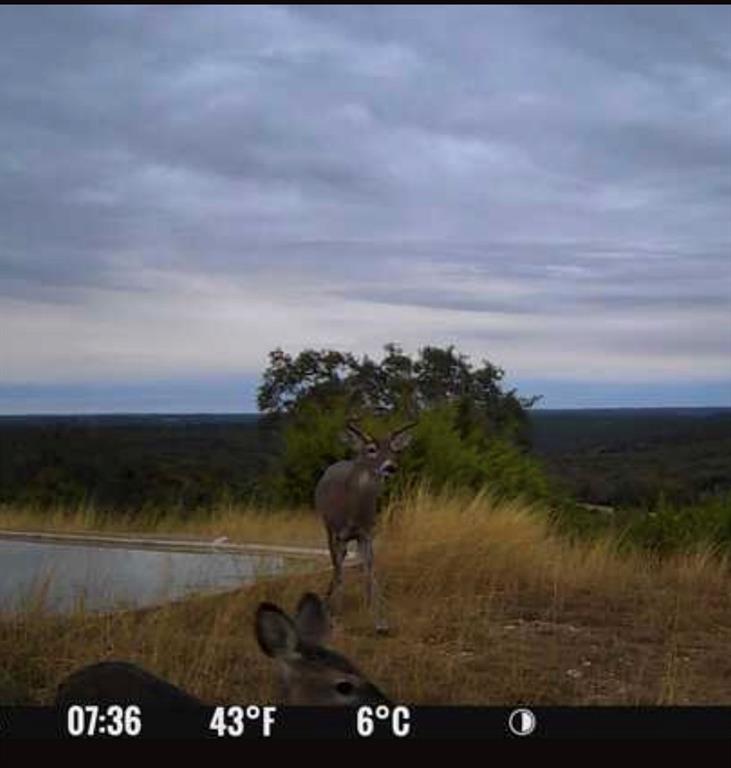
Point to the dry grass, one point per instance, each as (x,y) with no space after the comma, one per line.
(488,605)
(239,524)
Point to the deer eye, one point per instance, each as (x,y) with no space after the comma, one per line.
(345,688)
(371,450)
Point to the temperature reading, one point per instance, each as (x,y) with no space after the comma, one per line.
(398,718)
(232,721)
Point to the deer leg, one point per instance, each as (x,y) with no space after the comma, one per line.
(338,550)
(373,595)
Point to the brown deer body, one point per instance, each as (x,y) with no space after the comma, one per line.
(346,497)
(120,682)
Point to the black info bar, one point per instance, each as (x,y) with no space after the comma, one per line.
(262,722)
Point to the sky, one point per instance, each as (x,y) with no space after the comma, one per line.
(183,189)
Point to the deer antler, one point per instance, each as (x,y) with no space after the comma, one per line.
(353,427)
(410,425)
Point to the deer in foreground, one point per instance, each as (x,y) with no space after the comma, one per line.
(310,674)
(347,499)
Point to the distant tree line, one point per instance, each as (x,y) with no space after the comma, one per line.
(667,474)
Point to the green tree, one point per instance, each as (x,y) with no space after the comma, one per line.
(395,384)
(470,431)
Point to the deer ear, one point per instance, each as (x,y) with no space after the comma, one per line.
(401,439)
(276,632)
(312,620)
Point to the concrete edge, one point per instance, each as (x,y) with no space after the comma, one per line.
(131,541)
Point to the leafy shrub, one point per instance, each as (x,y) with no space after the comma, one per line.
(311,441)
(668,526)
(443,454)
(663,527)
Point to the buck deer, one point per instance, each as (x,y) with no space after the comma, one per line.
(309,673)
(347,499)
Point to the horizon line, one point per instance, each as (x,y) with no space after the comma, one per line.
(71,414)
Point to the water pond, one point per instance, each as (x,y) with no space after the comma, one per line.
(61,577)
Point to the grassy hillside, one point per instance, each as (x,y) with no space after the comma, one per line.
(489,606)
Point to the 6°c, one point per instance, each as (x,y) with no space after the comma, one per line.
(398,719)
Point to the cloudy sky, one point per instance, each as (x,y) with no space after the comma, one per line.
(182,189)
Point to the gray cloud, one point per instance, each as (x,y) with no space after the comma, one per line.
(513,178)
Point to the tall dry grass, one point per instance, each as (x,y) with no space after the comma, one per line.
(489,605)
(238,523)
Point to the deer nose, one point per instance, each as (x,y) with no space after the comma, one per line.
(388,469)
